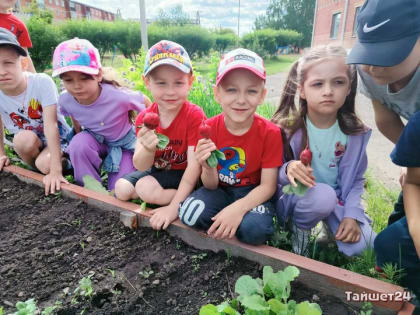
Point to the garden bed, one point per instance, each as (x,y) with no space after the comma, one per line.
(49,243)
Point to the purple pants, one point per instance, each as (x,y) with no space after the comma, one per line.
(86,156)
(320,203)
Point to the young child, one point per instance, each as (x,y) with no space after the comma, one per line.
(101,108)
(325,121)
(17,27)
(166,176)
(28,103)
(388,54)
(399,243)
(235,197)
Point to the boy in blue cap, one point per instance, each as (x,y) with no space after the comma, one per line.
(388,56)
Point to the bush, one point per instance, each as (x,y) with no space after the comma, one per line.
(45,37)
(223,41)
(128,38)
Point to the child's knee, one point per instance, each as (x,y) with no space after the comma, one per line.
(322,199)
(124,190)
(149,190)
(191,211)
(26,142)
(253,232)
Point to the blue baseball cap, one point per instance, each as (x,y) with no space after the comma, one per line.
(387,31)
(7,38)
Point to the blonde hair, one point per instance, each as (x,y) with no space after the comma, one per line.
(292,117)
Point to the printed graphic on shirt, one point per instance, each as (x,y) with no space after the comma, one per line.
(234,164)
(170,157)
(338,153)
(18,120)
(34,109)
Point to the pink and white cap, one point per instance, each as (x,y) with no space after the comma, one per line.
(240,58)
(76,55)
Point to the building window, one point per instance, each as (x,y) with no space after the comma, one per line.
(335,24)
(62,3)
(356,12)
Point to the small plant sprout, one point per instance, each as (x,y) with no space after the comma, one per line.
(84,289)
(366,309)
(196,260)
(26,308)
(146,273)
(112,272)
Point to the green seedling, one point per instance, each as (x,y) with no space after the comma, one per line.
(84,289)
(76,222)
(367,309)
(269,295)
(82,245)
(112,272)
(196,260)
(146,273)
(26,308)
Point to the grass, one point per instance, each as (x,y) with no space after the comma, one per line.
(278,64)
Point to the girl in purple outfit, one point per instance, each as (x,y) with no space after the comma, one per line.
(325,121)
(99,110)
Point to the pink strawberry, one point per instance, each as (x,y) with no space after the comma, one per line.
(151,120)
(306,156)
(205,130)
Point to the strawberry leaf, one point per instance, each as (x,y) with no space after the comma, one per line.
(300,190)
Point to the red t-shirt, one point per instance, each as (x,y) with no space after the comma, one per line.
(260,147)
(17,27)
(182,133)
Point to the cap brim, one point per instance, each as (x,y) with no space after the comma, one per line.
(18,48)
(257,73)
(385,54)
(82,69)
(169,62)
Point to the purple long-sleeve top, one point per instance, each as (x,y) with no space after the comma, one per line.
(350,181)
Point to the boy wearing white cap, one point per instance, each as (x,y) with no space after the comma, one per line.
(388,54)
(236,193)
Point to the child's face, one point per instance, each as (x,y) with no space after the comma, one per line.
(389,75)
(7,4)
(169,86)
(239,94)
(11,71)
(83,87)
(325,87)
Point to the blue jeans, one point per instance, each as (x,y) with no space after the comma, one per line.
(203,204)
(395,245)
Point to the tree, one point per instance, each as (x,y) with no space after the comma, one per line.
(296,15)
(41,14)
(175,16)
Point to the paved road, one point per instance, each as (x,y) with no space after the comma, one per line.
(378,148)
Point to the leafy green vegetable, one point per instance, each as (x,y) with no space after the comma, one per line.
(268,296)
(163,141)
(91,183)
(300,190)
(215,155)
(26,308)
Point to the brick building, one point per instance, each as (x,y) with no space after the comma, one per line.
(335,21)
(69,9)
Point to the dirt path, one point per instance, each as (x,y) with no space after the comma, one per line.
(378,148)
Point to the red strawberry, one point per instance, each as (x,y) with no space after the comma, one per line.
(151,120)
(205,130)
(306,156)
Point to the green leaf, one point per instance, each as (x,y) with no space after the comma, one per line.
(227,309)
(246,286)
(212,160)
(254,302)
(143,205)
(219,155)
(306,308)
(277,307)
(163,141)
(91,183)
(278,283)
(26,308)
(209,309)
(300,190)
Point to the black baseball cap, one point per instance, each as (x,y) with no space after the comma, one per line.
(387,31)
(8,38)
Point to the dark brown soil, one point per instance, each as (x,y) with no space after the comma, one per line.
(47,244)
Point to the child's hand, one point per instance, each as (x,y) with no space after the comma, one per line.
(148,139)
(52,182)
(348,231)
(4,161)
(162,217)
(225,223)
(304,174)
(203,150)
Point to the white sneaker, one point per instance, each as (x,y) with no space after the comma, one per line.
(323,233)
(300,240)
